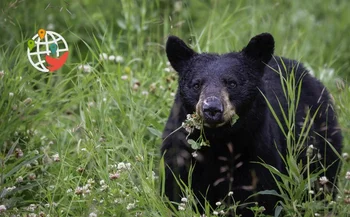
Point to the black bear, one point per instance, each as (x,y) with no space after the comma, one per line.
(247,84)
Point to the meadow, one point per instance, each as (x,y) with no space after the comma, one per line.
(85,140)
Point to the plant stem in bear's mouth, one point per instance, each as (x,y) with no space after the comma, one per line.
(194,121)
(234,119)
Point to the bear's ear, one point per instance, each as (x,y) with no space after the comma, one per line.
(260,48)
(178,53)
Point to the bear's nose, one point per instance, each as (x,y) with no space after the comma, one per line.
(212,109)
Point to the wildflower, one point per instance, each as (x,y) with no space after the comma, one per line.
(31,207)
(222,212)
(56,157)
(102,182)
(85,68)
(18,152)
(111,58)
(92,214)
(347,175)
(42,214)
(103,56)
(311,192)
(2,208)
(78,190)
(230,193)
(80,169)
(32,176)
(215,213)
(218,203)
(310,151)
(317,214)
(172,94)
(194,154)
(113,176)
(11,94)
(184,200)
(345,156)
(121,166)
(69,190)
(19,179)
(192,122)
(144,92)
(90,181)
(167,69)
(323,180)
(118,201)
(152,87)
(119,59)
(130,206)
(124,77)
(181,207)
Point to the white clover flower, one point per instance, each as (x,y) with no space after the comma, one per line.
(311,192)
(184,200)
(111,58)
(92,214)
(124,77)
(85,68)
(102,182)
(222,212)
(181,207)
(347,175)
(323,180)
(130,206)
(194,154)
(215,213)
(230,193)
(103,56)
(144,92)
(56,157)
(218,203)
(19,179)
(113,176)
(121,166)
(310,151)
(2,208)
(167,69)
(345,156)
(11,94)
(119,59)
(91,181)
(69,190)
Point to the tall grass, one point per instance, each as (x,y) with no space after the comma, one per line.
(84,141)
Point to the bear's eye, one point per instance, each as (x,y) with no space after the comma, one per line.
(196,86)
(231,84)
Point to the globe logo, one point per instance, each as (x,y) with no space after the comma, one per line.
(47,51)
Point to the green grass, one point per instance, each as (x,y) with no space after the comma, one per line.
(96,120)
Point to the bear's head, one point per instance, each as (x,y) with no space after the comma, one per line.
(217,87)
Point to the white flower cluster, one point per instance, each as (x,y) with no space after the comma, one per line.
(193,121)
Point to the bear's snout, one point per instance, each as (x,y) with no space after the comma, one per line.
(213,110)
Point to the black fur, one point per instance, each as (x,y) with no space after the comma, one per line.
(255,135)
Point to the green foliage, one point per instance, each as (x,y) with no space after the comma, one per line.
(85,140)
